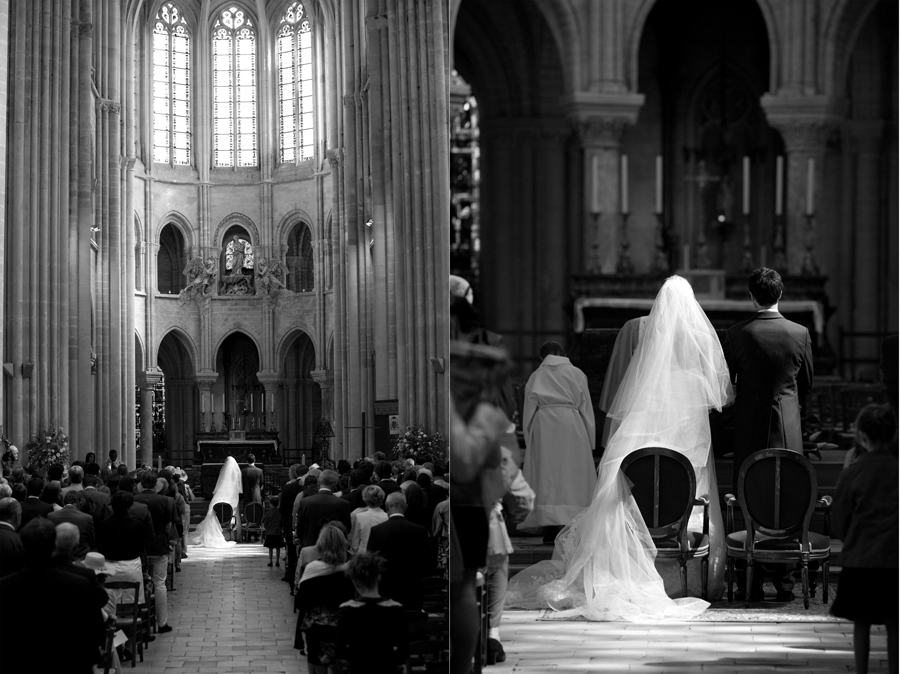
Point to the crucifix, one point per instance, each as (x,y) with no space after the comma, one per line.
(702,179)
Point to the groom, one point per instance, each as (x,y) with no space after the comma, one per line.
(770,360)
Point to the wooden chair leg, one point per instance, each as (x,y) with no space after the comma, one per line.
(704,575)
(747,590)
(729,578)
(805,566)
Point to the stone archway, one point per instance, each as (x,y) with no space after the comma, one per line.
(302,399)
(175,417)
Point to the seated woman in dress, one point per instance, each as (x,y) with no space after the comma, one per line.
(322,589)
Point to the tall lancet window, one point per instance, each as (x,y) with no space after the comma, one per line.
(171,87)
(234,88)
(295,85)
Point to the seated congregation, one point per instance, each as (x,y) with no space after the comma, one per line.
(103,541)
(366,563)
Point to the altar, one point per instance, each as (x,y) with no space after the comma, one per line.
(214,447)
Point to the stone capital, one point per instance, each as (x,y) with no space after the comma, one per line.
(149,379)
(335,158)
(806,123)
(324,378)
(601,118)
(206,380)
(271,381)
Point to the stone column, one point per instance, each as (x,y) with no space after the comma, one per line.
(271,382)
(291,421)
(325,380)
(148,380)
(805,123)
(205,382)
(600,120)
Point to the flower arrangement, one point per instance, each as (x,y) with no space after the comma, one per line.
(48,447)
(415,442)
(10,453)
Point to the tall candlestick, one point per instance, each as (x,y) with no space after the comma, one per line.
(251,401)
(779,184)
(595,184)
(810,181)
(746,185)
(659,184)
(624,179)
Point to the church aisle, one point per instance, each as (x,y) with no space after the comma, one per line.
(231,613)
(534,647)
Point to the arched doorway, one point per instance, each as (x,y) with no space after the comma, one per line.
(175,416)
(302,399)
(170,260)
(237,389)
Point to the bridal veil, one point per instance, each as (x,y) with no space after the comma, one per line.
(603,563)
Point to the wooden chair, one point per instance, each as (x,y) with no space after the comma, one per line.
(128,616)
(428,656)
(108,647)
(777,495)
(225,515)
(252,524)
(664,487)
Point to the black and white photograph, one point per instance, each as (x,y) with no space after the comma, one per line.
(674,314)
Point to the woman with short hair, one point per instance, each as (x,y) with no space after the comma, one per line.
(363,519)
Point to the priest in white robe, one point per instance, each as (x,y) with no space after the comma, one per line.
(558,421)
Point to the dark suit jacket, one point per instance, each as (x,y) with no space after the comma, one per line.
(286,507)
(85,524)
(34,507)
(163,513)
(251,478)
(404,546)
(12,554)
(31,591)
(354,498)
(770,360)
(314,509)
(99,502)
(388,487)
(98,593)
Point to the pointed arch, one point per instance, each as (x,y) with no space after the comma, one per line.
(236,219)
(287,341)
(183,340)
(238,329)
(842,28)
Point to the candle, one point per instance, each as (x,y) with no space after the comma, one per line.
(251,401)
(264,402)
(595,184)
(746,185)
(810,180)
(779,184)
(659,184)
(762,256)
(687,256)
(624,183)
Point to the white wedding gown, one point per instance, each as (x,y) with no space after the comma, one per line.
(603,564)
(228,488)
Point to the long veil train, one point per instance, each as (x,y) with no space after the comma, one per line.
(228,488)
(603,563)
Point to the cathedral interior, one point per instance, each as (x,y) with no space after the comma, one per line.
(600,147)
(223,222)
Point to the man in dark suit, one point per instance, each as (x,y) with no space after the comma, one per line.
(314,511)
(286,507)
(353,496)
(251,479)
(99,500)
(165,518)
(384,472)
(12,554)
(138,511)
(32,506)
(404,546)
(771,365)
(67,542)
(72,512)
(770,360)
(29,594)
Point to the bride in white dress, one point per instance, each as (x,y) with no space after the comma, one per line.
(603,564)
(228,488)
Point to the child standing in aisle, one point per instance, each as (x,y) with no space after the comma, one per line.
(272,525)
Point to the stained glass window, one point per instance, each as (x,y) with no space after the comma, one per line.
(239,251)
(295,85)
(171,87)
(234,88)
